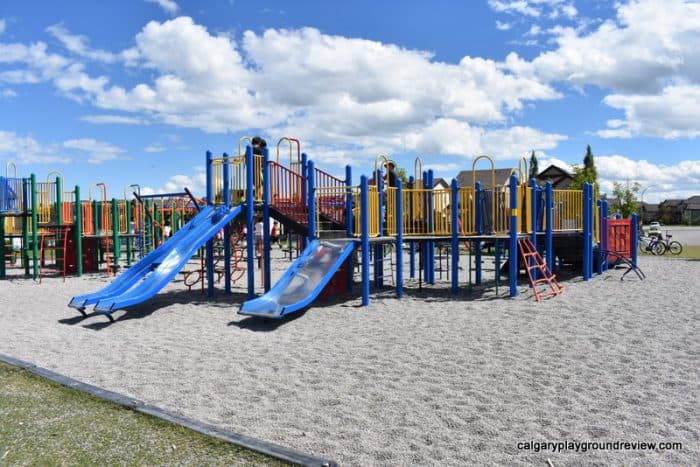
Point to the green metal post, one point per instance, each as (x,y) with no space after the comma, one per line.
(25,226)
(2,247)
(59,218)
(116,244)
(78,232)
(149,228)
(129,232)
(35,229)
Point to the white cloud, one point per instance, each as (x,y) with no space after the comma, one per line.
(97,151)
(503,26)
(674,113)
(27,150)
(650,42)
(7,93)
(169,6)
(113,119)
(553,9)
(79,45)
(3,25)
(154,148)
(678,181)
(197,184)
(522,7)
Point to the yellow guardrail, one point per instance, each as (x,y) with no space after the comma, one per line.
(467,211)
(567,212)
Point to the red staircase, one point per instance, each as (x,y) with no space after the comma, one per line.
(54,240)
(544,283)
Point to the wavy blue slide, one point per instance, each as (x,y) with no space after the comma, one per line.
(304,280)
(144,279)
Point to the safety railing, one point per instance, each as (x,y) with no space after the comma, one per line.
(11,195)
(567,212)
(467,211)
(237,178)
(330,205)
(45,202)
(286,190)
(374,211)
(416,202)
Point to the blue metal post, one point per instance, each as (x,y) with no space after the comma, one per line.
(549,237)
(454,204)
(379,247)
(603,238)
(250,221)
(210,243)
(227,227)
(266,219)
(586,233)
(513,239)
(478,195)
(364,225)
(635,237)
(349,223)
(399,238)
(430,278)
(426,218)
(311,190)
(412,244)
(304,176)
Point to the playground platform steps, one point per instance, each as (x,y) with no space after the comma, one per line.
(544,283)
(54,241)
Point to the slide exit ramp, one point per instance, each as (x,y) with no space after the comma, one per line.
(147,277)
(304,280)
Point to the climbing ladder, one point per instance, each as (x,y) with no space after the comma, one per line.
(543,282)
(54,239)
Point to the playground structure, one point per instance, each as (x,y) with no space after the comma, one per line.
(336,217)
(49,230)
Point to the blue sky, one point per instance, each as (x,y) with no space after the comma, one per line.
(136,92)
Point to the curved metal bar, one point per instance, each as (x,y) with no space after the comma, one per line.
(7,169)
(493,170)
(417,168)
(376,168)
(524,174)
(291,142)
(48,177)
(240,144)
(103,191)
(493,182)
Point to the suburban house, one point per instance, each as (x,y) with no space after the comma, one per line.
(691,210)
(560,178)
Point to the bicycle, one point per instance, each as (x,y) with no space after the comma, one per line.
(651,245)
(674,246)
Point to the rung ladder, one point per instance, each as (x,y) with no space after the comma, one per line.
(544,283)
(53,240)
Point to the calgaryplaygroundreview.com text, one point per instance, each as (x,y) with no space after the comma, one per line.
(585,446)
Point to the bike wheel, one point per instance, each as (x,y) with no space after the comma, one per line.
(658,248)
(675,248)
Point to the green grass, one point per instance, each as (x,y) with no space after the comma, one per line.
(689,251)
(43,423)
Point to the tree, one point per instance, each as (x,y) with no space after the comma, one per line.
(534,170)
(626,197)
(402,174)
(586,174)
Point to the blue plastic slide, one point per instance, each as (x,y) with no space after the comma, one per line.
(145,278)
(304,280)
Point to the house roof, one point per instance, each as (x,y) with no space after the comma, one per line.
(466,177)
(672,202)
(441,182)
(554,171)
(693,200)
